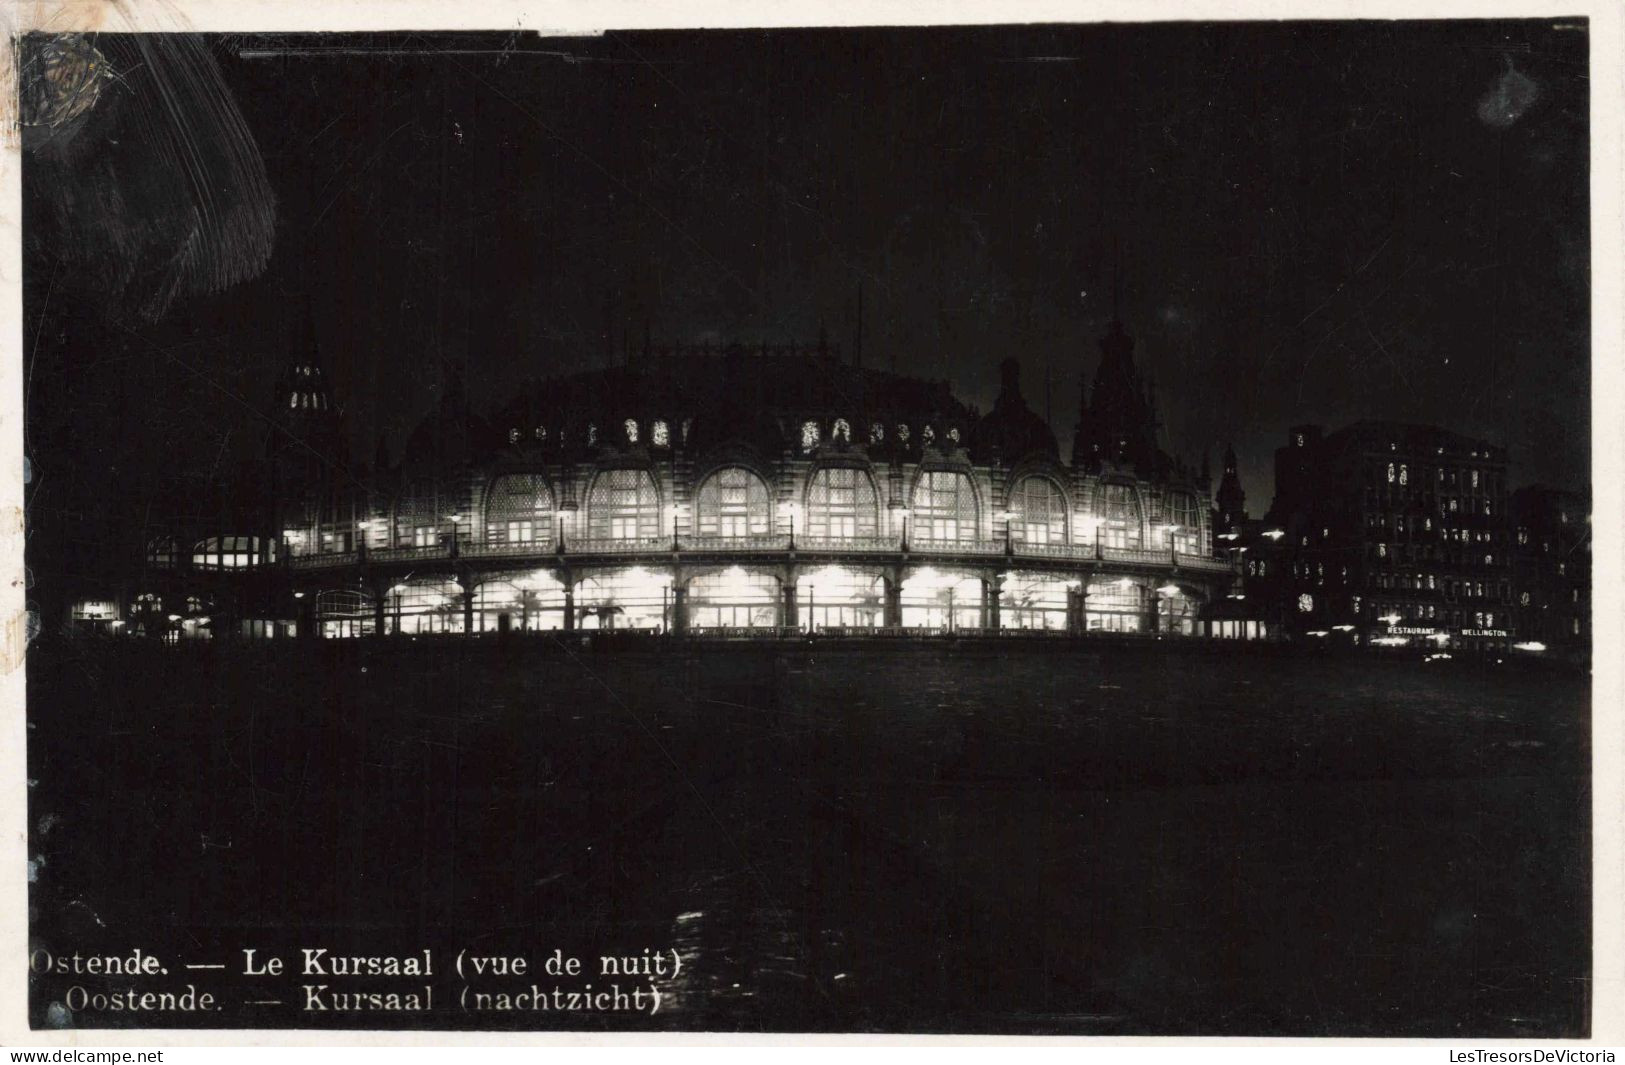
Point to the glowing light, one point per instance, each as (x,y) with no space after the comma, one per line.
(1344,628)
(1529,645)
(1273,534)
(298,595)
(1392,619)
(1125,582)
(1169,589)
(1319,632)
(1390,641)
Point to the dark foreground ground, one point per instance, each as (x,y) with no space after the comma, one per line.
(926,840)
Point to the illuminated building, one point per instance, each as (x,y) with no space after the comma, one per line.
(1551,558)
(738,491)
(1386,533)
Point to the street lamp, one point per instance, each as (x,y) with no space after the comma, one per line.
(1008,517)
(672,511)
(791,512)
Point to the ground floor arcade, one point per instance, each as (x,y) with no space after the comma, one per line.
(727,598)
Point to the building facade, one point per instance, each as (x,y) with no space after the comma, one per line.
(1386,534)
(1551,559)
(724,490)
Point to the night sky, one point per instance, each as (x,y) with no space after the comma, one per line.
(1312,223)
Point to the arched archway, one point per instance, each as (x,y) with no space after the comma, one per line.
(519,510)
(944,507)
(1122,520)
(732,501)
(1038,511)
(623,504)
(841,504)
(519,602)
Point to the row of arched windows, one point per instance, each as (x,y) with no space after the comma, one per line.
(839,503)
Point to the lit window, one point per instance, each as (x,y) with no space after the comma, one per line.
(841,503)
(809,435)
(592,434)
(953,436)
(541,432)
(1306,603)
(944,506)
(1037,512)
(1382,550)
(661,434)
(902,434)
(1390,473)
(1523,599)
(623,505)
(877,433)
(928,436)
(293,400)
(842,430)
(423,536)
(732,502)
(513,436)
(631,428)
(1475,478)
(1404,475)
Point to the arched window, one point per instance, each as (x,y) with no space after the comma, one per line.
(519,510)
(226,552)
(532,602)
(877,433)
(1185,521)
(419,515)
(842,503)
(842,430)
(1037,512)
(623,505)
(631,428)
(733,501)
(809,435)
(733,599)
(661,434)
(345,614)
(944,506)
(1121,521)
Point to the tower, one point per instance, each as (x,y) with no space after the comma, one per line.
(1116,419)
(1232,501)
(303,445)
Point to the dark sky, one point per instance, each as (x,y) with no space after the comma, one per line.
(1314,222)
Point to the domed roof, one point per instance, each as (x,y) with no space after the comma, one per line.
(451,435)
(762,395)
(1010,428)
